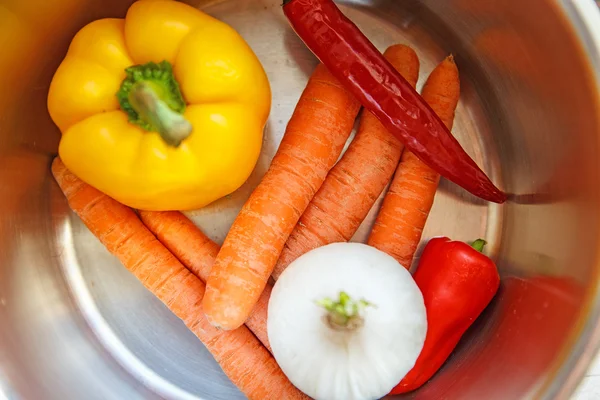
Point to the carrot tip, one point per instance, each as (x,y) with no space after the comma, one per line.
(57,163)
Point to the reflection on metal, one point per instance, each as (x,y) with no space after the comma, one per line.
(76,325)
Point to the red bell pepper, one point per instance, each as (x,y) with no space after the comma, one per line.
(457,282)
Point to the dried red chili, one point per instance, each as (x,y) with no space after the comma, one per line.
(359,66)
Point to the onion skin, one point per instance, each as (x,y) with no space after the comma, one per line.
(366,361)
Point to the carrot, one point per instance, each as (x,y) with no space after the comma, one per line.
(185,240)
(354,184)
(197,252)
(406,206)
(241,356)
(313,141)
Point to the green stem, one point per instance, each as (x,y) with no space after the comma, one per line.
(172,126)
(345,313)
(478,245)
(150,96)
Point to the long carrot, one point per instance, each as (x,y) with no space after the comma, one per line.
(241,356)
(197,252)
(406,206)
(356,181)
(313,141)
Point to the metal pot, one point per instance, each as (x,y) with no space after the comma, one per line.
(75,325)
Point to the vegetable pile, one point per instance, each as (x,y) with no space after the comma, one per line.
(164,111)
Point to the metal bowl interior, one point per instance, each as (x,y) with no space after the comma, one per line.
(76,325)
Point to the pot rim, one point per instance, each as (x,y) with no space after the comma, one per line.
(568,373)
(584,18)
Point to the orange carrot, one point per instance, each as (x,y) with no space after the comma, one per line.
(241,356)
(406,206)
(313,141)
(356,181)
(185,240)
(197,252)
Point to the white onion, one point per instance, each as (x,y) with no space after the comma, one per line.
(361,363)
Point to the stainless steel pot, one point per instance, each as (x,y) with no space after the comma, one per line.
(75,325)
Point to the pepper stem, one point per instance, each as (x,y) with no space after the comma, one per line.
(150,96)
(478,245)
(345,314)
(172,126)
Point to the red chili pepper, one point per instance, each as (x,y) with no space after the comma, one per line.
(457,282)
(359,66)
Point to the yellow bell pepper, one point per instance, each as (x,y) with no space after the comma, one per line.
(161,110)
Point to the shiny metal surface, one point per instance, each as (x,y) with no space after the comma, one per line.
(75,325)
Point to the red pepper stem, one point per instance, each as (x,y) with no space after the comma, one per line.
(478,245)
